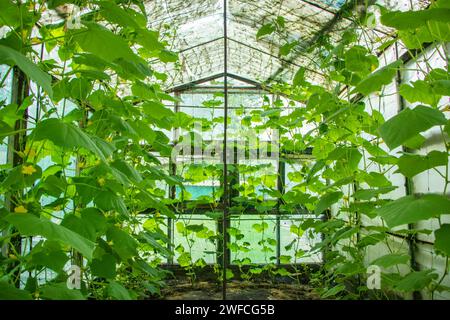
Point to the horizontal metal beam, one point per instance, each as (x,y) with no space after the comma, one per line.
(193,84)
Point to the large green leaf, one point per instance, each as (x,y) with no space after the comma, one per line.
(49,254)
(10,292)
(14,58)
(127,170)
(411,209)
(108,200)
(117,291)
(30,225)
(68,136)
(415,281)
(442,242)
(367,194)
(60,291)
(391,259)
(420,91)
(10,13)
(104,266)
(326,201)
(415,19)
(395,131)
(411,164)
(123,243)
(349,156)
(358,60)
(104,43)
(378,79)
(124,18)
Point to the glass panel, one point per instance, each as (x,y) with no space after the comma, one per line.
(194,239)
(253,239)
(296,243)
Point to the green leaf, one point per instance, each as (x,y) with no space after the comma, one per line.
(59,291)
(415,142)
(152,239)
(442,242)
(103,43)
(30,225)
(127,170)
(265,30)
(299,77)
(117,291)
(116,14)
(414,19)
(10,292)
(76,224)
(108,200)
(168,56)
(10,13)
(14,58)
(66,135)
(327,200)
(123,243)
(367,194)
(94,217)
(411,209)
(394,131)
(390,260)
(49,254)
(333,291)
(378,79)
(358,60)
(104,267)
(412,164)
(420,91)
(416,281)
(157,110)
(349,156)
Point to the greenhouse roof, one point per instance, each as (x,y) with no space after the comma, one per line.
(199,36)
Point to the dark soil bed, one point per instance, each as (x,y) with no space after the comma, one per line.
(238,290)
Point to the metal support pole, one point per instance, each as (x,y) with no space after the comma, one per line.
(225,169)
(281,182)
(417,295)
(173,188)
(16,144)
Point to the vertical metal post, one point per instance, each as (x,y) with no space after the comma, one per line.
(16,144)
(417,295)
(173,188)
(281,182)
(225,169)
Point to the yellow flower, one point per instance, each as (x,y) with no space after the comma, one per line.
(28,170)
(20,209)
(101,181)
(31,153)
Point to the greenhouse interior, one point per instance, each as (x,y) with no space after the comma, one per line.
(224,149)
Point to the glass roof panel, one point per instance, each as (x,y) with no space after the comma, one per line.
(197,34)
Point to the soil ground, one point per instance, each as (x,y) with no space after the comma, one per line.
(238,290)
